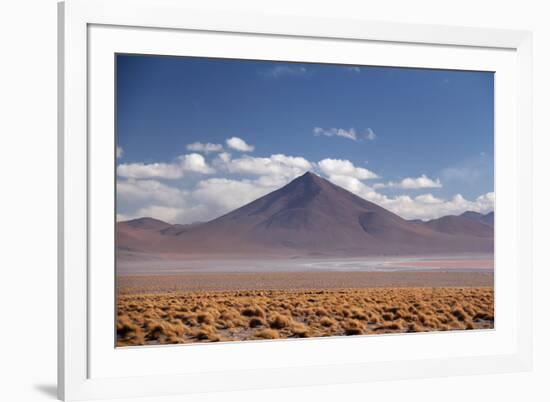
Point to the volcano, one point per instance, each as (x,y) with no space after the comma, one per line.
(308,216)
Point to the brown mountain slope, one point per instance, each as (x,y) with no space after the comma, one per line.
(308,216)
(145,224)
(488,219)
(460,225)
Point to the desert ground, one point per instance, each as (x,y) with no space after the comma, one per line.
(412,296)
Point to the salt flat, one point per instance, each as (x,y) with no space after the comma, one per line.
(452,263)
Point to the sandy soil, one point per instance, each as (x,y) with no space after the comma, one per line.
(191,317)
(191,282)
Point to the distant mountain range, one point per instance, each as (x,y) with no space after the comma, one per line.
(308,216)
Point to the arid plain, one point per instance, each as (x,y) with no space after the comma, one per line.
(236,306)
(308,260)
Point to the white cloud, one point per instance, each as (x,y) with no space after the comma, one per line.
(246,178)
(486,202)
(207,200)
(151,170)
(210,198)
(223,195)
(411,183)
(275,165)
(419,182)
(214,197)
(166,214)
(424,206)
(357,187)
(343,167)
(205,147)
(428,199)
(143,192)
(370,134)
(335,132)
(350,134)
(354,69)
(184,163)
(195,163)
(239,144)
(429,207)
(119,152)
(123,217)
(284,70)
(224,157)
(139,198)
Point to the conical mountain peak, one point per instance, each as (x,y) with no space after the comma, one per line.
(311,215)
(309,182)
(309,177)
(308,197)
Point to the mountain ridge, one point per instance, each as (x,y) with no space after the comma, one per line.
(307,216)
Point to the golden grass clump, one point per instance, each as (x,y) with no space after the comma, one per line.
(279,321)
(353,327)
(129,332)
(327,322)
(256,322)
(254,311)
(194,317)
(265,334)
(300,330)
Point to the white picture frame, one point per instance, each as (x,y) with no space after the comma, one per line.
(90,31)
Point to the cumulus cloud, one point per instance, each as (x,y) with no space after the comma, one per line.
(343,167)
(140,198)
(239,144)
(427,206)
(141,190)
(210,198)
(223,157)
(195,163)
(205,148)
(223,195)
(119,152)
(151,170)
(184,163)
(411,183)
(424,206)
(428,199)
(164,213)
(275,165)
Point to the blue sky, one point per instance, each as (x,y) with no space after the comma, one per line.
(392,135)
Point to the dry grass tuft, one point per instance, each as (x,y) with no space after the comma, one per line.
(254,311)
(353,327)
(265,334)
(300,330)
(280,321)
(327,322)
(167,318)
(256,322)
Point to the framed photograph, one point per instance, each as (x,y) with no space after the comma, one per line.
(254,201)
